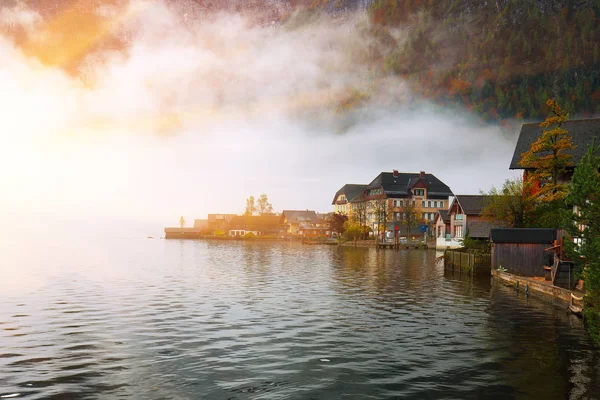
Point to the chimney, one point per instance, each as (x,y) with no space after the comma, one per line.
(422,174)
(395,173)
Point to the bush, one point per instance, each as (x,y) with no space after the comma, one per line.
(249,235)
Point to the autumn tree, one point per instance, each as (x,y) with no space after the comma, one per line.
(382,211)
(250,206)
(584,231)
(547,160)
(411,216)
(263,205)
(182,222)
(337,222)
(359,212)
(353,231)
(513,204)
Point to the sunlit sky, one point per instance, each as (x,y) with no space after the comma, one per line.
(191,118)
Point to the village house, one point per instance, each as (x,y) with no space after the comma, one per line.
(258,225)
(442,224)
(582,134)
(390,192)
(465,215)
(219,223)
(343,198)
(302,223)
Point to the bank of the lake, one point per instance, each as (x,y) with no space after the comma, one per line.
(144,318)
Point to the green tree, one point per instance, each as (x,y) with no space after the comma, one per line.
(263,205)
(547,160)
(513,204)
(584,232)
(250,206)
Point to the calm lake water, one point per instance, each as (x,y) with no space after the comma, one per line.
(150,319)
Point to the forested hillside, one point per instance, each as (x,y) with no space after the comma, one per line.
(501,59)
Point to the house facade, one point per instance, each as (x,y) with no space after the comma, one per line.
(342,201)
(299,222)
(387,198)
(465,216)
(258,225)
(442,224)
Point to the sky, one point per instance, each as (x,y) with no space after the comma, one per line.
(195,113)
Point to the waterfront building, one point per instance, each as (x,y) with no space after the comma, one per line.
(297,222)
(465,215)
(258,225)
(342,201)
(391,195)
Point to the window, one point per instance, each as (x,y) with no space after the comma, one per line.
(441,204)
(414,203)
(424,215)
(429,204)
(401,203)
(458,231)
(423,203)
(419,192)
(435,204)
(458,217)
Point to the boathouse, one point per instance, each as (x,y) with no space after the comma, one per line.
(522,251)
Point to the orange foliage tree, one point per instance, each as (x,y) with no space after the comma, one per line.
(547,160)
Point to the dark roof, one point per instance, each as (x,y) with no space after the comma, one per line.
(482,229)
(582,132)
(471,204)
(523,235)
(399,186)
(444,215)
(297,216)
(254,222)
(350,190)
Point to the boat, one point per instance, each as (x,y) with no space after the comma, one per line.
(576,305)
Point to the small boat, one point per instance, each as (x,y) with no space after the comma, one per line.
(150,237)
(576,305)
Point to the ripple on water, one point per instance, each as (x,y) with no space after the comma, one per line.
(284,321)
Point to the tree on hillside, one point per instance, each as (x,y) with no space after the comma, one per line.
(513,204)
(250,206)
(263,205)
(410,215)
(336,223)
(547,161)
(584,231)
(182,222)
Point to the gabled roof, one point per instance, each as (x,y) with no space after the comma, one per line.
(254,222)
(482,229)
(471,204)
(443,214)
(351,190)
(399,186)
(582,132)
(298,216)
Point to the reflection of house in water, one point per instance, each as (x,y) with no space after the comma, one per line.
(259,225)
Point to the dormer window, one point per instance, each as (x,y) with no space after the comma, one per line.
(419,192)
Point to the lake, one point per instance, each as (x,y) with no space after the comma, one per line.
(150,318)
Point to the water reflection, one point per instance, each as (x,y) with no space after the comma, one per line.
(190,319)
